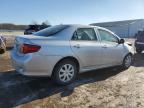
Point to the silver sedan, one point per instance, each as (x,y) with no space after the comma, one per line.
(63,51)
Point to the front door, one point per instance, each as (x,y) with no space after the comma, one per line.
(112,51)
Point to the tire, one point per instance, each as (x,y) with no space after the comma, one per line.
(127,61)
(65,72)
(139,51)
(2,50)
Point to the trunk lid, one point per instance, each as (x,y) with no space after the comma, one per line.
(25,39)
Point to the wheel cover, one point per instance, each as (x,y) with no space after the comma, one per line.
(66,72)
(128,61)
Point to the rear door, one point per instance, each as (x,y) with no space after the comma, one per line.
(86,47)
(112,51)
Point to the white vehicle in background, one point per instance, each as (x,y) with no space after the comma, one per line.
(2,45)
(63,51)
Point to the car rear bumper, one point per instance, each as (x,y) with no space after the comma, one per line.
(34,65)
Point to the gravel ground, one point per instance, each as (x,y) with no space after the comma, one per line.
(106,88)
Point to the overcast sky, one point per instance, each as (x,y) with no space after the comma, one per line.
(69,11)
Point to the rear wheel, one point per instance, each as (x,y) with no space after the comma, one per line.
(65,72)
(127,61)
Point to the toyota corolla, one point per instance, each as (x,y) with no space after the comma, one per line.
(63,51)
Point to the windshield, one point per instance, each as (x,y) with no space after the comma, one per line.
(51,30)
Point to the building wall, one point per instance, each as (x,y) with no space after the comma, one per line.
(134,28)
(121,31)
(128,30)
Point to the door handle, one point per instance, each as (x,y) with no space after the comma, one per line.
(105,46)
(77,46)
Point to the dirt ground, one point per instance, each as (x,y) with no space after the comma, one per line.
(106,88)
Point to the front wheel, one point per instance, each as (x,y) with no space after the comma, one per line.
(127,61)
(65,72)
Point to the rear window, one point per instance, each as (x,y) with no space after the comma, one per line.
(51,30)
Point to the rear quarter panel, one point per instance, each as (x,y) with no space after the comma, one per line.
(53,51)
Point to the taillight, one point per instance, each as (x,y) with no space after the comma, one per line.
(27,48)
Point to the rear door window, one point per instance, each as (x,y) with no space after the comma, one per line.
(87,34)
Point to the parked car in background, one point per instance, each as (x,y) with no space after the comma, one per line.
(139,42)
(63,51)
(2,45)
(34,28)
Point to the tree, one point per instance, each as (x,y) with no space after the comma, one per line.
(34,23)
(46,23)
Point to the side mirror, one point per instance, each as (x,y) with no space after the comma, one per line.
(121,41)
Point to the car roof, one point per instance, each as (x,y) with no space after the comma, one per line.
(79,25)
(89,26)
(84,26)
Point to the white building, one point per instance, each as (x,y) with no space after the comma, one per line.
(124,29)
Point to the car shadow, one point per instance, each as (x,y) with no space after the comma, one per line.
(16,89)
(138,60)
